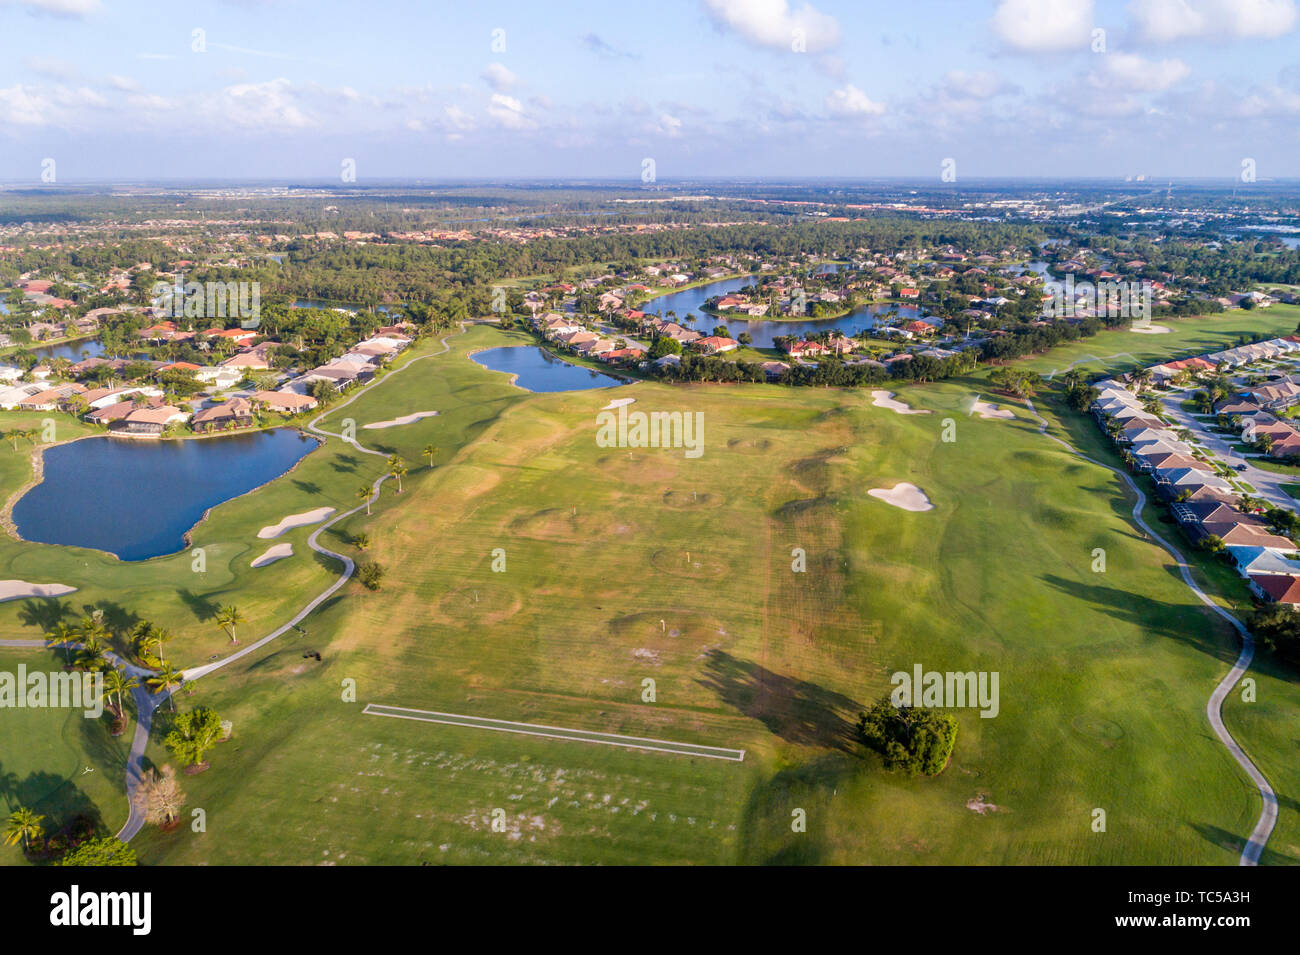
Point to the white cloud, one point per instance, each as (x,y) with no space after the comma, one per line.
(457,118)
(23,106)
(773,24)
(57,8)
(50,66)
(500,78)
(1127,71)
(123,83)
(981,84)
(270,105)
(669,126)
(1034,26)
(852,102)
(509,112)
(1168,20)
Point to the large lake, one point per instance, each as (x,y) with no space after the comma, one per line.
(765,331)
(138,498)
(539,370)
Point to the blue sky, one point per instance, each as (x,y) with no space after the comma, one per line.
(122,89)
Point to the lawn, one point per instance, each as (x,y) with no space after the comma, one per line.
(623,566)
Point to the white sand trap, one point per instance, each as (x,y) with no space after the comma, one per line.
(295,520)
(617,403)
(986,410)
(907,496)
(273,553)
(1150,329)
(404,419)
(885,399)
(17,589)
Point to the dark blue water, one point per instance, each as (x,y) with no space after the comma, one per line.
(137,498)
(539,370)
(72,351)
(765,331)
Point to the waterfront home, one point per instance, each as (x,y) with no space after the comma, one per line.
(150,420)
(11,397)
(49,398)
(775,370)
(716,344)
(285,402)
(226,416)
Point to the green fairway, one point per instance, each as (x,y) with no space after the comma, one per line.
(65,766)
(627,565)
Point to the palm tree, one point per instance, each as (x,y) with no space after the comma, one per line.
(157,636)
(228,618)
(116,682)
(429,451)
(24,826)
(163,681)
(91,655)
(363,494)
(396,468)
(63,635)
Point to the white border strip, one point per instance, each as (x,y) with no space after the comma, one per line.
(557,732)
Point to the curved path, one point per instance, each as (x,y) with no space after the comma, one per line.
(147,703)
(1214,708)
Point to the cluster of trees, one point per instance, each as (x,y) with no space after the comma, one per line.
(914,739)
(1015,381)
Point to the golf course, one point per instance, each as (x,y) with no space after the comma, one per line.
(753,598)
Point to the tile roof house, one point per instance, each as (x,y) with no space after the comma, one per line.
(235,413)
(286,402)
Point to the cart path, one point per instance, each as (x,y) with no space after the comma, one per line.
(1214,707)
(147,703)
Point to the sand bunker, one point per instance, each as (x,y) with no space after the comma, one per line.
(885,399)
(986,410)
(1149,329)
(404,419)
(907,496)
(273,553)
(617,403)
(295,520)
(16,589)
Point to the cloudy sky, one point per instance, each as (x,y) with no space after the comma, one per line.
(127,89)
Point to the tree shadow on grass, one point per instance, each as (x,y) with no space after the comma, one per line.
(45,614)
(767,836)
(1235,843)
(59,800)
(794,710)
(307,487)
(1191,622)
(345,463)
(203,607)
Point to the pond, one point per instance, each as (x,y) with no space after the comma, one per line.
(73,351)
(765,331)
(138,498)
(536,369)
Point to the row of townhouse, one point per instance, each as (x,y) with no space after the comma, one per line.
(1203,503)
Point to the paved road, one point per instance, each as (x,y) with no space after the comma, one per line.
(1214,707)
(556,732)
(1267,484)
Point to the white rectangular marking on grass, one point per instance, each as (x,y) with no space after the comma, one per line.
(557,732)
